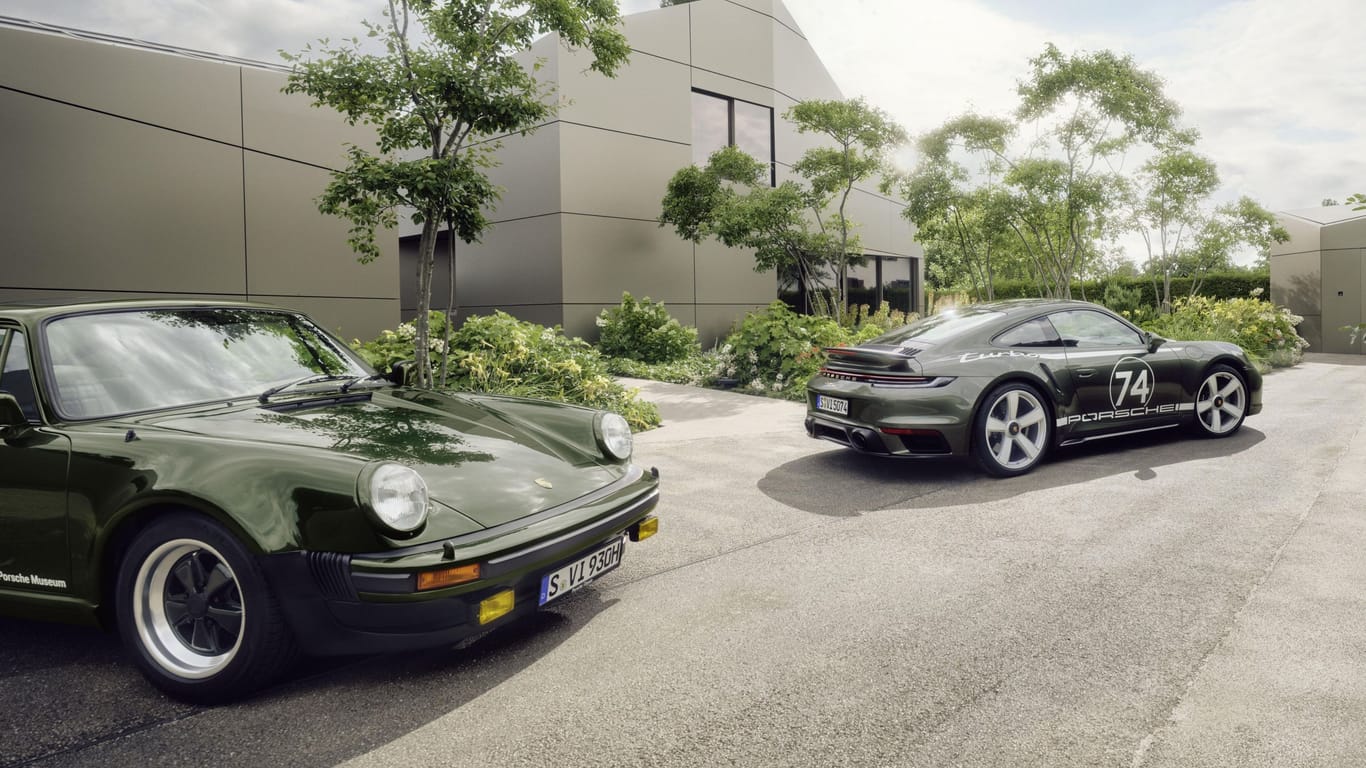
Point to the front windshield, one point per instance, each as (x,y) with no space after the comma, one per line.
(936,328)
(104,364)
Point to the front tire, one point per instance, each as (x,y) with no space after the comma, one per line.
(195,613)
(1011,431)
(1221,402)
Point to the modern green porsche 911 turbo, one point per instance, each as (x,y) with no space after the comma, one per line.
(229,484)
(1005,382)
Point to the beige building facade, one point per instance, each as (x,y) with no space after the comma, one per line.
(133,170)
(578,221)
(1320,274)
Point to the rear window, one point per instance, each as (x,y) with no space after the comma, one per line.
(937,328)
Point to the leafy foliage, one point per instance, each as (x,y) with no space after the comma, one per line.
(500,354)
(698,370)
(797,229)
(1266,332)
(1216,285)
(449,78)
(644,331)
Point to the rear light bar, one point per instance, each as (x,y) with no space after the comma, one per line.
(888,380)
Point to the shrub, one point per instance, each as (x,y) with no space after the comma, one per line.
(500,354)
(867,325)
(1266,332)
(1216,285)
(697,370)
(776,351)
(643,330)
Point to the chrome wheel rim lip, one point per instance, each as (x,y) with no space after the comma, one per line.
(1221,403)
(159,637)
(1016,429)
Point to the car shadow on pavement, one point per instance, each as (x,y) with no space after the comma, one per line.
(844,483)
(83,703)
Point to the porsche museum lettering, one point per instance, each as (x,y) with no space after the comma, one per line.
(1124,413)
(31,580)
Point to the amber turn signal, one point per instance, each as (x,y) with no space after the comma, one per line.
(645,529)
(447,577)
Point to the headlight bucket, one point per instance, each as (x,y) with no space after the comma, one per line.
(395,497)
(614,436)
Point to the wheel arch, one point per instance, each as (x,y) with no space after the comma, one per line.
(132,519)
(1049,395)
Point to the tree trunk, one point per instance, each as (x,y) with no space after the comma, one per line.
(426,262)
(450,306)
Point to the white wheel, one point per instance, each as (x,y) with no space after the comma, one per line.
(1221,403)
(196,614)
(1011,431)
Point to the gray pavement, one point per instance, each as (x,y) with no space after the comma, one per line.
(1165,602)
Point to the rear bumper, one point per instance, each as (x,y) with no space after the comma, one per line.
(909,444)
(332,607)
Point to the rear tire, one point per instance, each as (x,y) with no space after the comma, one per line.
(1012,430)
(195,613)
(1221,402)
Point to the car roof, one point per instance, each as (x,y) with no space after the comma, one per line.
(1026,306)
(39,309)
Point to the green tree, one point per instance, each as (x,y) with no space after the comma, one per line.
(1358,200)
(797,228)
(448,79)
(1055,190)
(1165,205)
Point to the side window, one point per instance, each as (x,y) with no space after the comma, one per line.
(1035,333)
(1084,328)
(15,377)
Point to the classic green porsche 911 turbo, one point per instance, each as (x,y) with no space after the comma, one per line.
(1005,382)
(228,484)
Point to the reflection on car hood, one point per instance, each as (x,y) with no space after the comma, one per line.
(490,465)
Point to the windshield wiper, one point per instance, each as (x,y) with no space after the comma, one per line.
(264,397)
(359,380)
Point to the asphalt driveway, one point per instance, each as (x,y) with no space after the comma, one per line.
(1170,602)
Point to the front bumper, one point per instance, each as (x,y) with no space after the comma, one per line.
(340,604)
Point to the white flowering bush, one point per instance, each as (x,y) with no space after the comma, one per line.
(644,331)
(1265,331)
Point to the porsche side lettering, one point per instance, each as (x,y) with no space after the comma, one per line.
(1125,413)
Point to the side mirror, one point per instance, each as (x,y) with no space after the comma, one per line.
(13,422)
(400,372)
(1154,341)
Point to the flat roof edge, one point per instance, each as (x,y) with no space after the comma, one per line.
(14,22)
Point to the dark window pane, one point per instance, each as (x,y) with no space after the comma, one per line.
(15,378)
(1092,329)
(896,283)
(754,130)
(710,126)
(1035,333)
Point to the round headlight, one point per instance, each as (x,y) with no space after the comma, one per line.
(398,497)
(614,434)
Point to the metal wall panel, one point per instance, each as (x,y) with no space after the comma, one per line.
(1342,287)
(94,202)
(195,96)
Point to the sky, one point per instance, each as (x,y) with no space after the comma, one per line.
(1277,88)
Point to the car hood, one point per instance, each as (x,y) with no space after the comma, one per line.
(490,463)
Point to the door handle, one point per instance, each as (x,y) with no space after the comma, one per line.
(1086,373)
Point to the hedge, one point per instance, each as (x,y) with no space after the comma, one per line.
(1216,285)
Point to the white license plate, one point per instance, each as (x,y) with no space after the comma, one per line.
(832,404)
(569,578)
